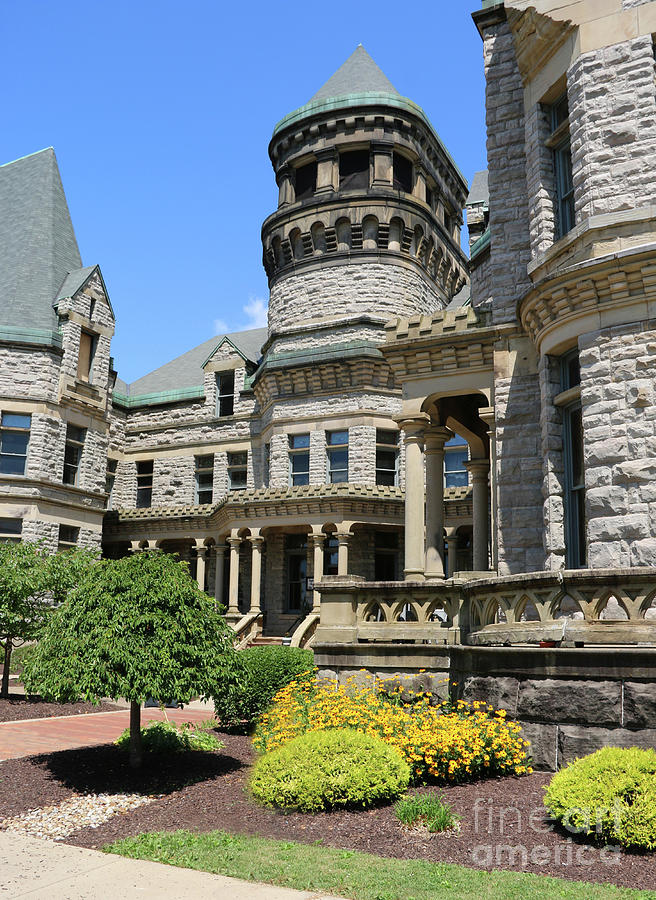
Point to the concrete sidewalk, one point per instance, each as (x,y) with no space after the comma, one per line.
(35,868)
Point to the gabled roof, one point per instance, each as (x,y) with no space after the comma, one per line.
(186,371)
(358,74)
(37,242)
(76,280)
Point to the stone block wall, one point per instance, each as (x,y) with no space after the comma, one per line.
(553,469)
(29,373)
(519,472)
(362,454)
(45,455)
(93,463)
(35,530)
(619,426)
(540,180)
(481,283)
(350,290)
(509,224)
(173,481)
(613,132)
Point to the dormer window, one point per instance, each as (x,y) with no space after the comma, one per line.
(88,344)
(354,170)
(225,389)
(402,173)
(305,181)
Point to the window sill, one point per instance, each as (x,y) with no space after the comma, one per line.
(565,398)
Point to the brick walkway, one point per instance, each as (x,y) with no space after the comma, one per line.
(34,736)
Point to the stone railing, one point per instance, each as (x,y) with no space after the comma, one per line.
(247,628)
(567,608)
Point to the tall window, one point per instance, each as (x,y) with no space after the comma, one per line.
(330,555)
(386,556)
(110,478)
(88,344)
(75,438)
(387,457)
(11,529)
(204,478)
(14,439)
(575,548)
(237,470)
(305,179)
(455,456)
(560,145)
(299,459)
(144,483)
(225,386)
(354,170)
(402,171)
(68,537)
(296,553)
(337,451)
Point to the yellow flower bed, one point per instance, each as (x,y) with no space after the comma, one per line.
(448,742)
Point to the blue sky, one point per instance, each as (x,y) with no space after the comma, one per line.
(161,112)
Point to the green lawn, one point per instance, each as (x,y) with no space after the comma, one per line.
(359,876)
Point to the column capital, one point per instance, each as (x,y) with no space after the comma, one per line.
(317,538)
(201,550)
(478,468)
(414,427)
(435,437)
(343,537)
(256,540)
(220,548)
(234,542)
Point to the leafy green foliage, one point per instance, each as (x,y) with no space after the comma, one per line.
(135,627)
(31,584)
(328,769)
(263,672)
(428,810)
(610,795)
(166,737)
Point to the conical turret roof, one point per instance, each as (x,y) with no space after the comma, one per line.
(358,74)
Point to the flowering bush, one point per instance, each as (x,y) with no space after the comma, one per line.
(448,742)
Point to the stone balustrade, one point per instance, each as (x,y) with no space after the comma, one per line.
(564,608)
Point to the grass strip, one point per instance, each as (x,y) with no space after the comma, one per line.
(359,876)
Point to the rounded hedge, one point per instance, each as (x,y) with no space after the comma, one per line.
(610,795)
(263,671)
(329,769)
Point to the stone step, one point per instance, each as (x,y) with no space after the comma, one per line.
(265,641)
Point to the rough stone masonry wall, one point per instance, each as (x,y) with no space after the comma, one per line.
(173,481)
(519,471)
(540,180)
(553,470)
(613,132)
(29,374)
(350,290)
(509,227)
(619,428)
(481,283)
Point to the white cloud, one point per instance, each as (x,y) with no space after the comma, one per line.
(255,313)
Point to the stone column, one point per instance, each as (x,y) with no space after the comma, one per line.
(327,171)
(487,415)
(419,186)
(220,565)
(436,438)
(478,470)
(201,556)
(317,539)
(343,538)
(383,163)
(413,430)
(233,590)
(285,190)
(256,569)
(451,542)
(135,546)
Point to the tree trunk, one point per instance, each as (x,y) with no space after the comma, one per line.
(9,646)
(136,752)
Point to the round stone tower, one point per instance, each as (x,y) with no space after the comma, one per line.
(369,212)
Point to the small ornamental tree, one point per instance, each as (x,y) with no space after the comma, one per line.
(31,583)
(135,628)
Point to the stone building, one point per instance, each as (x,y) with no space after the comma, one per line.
(427,460)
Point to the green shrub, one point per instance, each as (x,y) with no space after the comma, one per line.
(263,672)
(428,810)
(166,737)
(328,769)
(610,795)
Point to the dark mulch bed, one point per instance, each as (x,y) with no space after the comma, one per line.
(206,791)
(20,707)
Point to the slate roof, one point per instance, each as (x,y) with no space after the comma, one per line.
(479,191)
(186,371)
(37,241)
(358,74)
